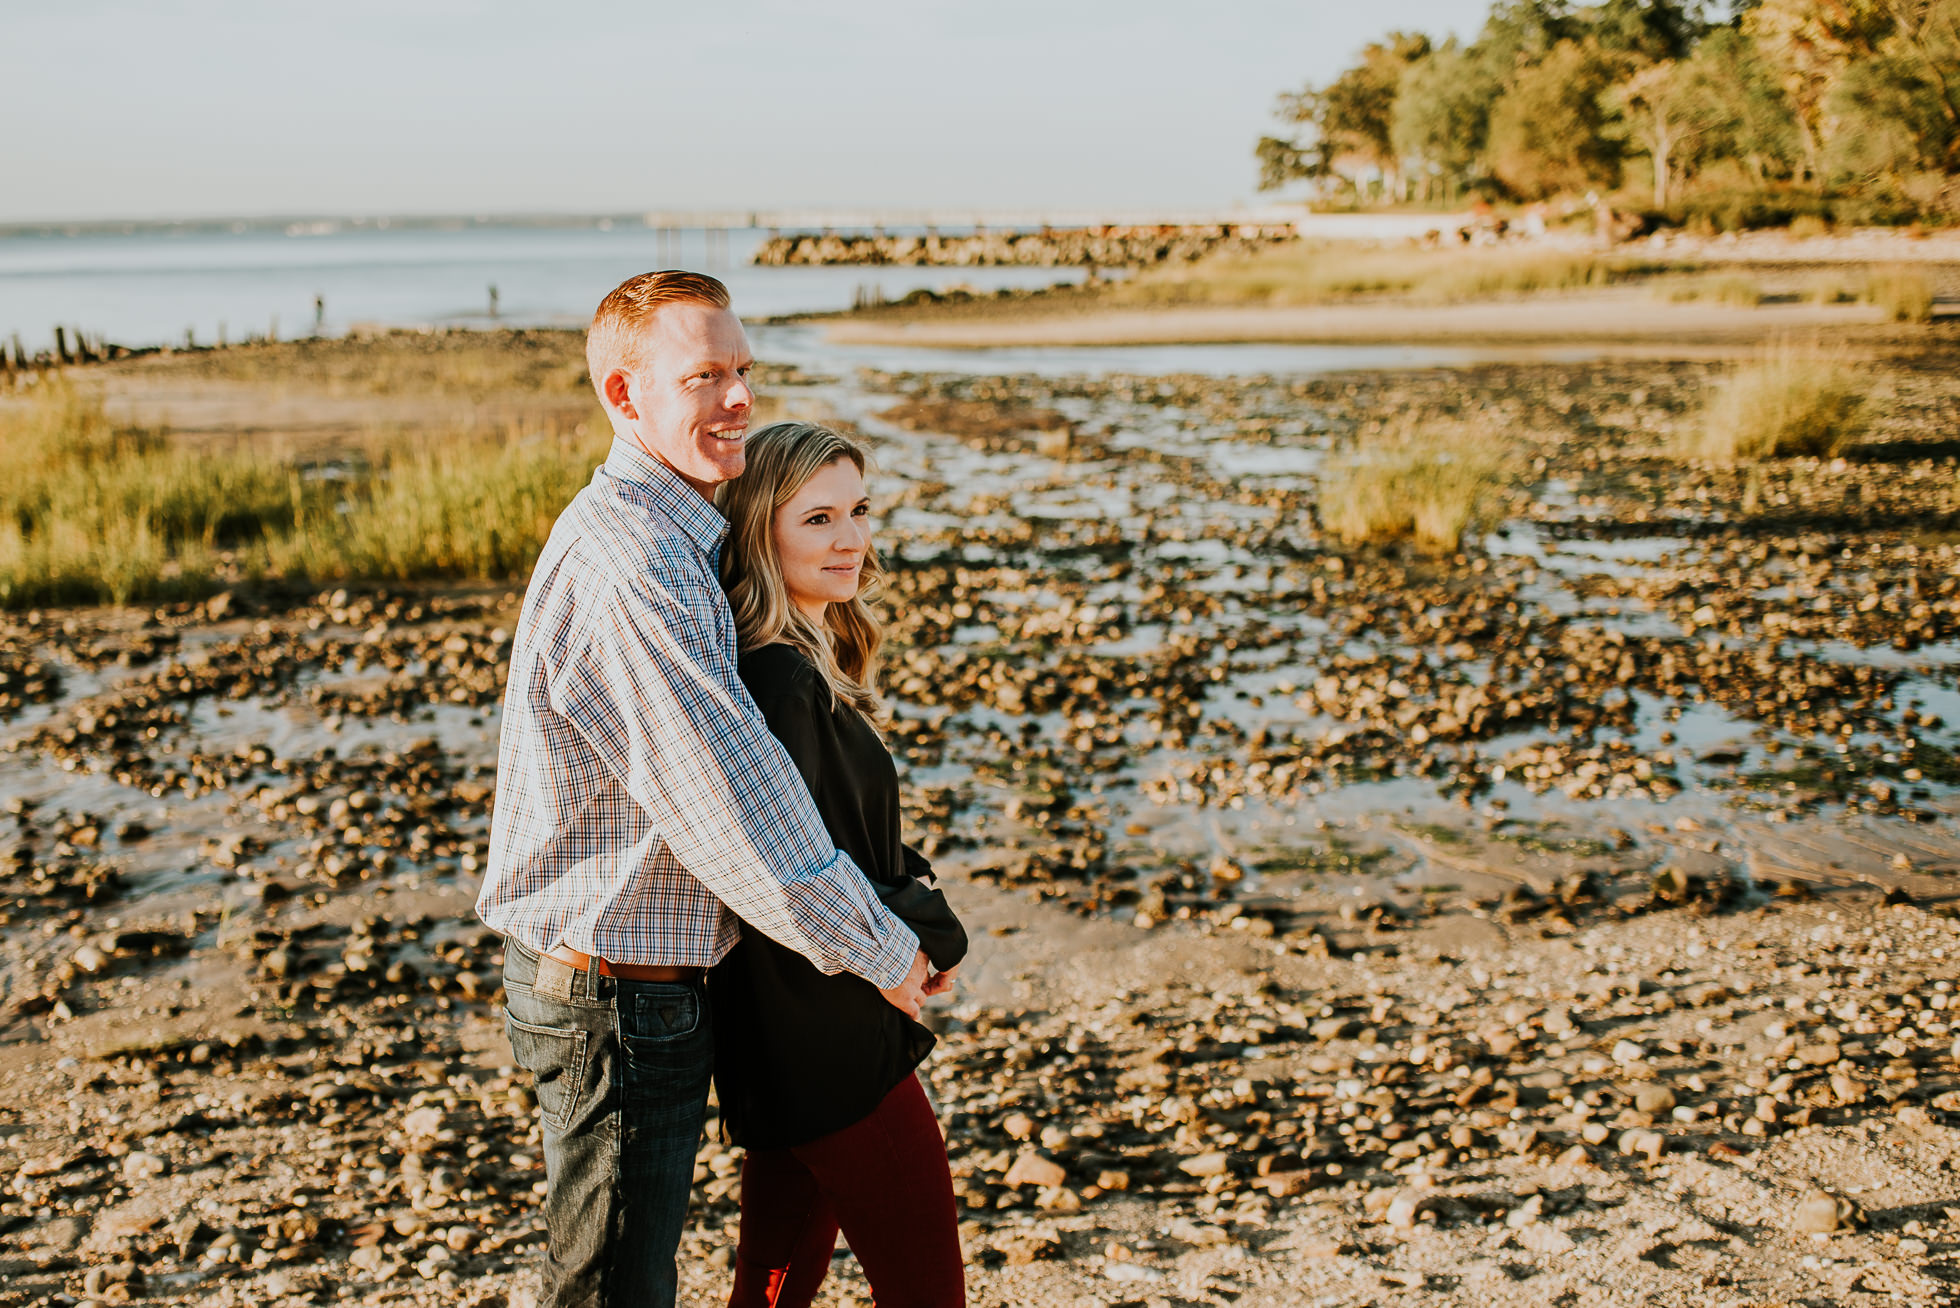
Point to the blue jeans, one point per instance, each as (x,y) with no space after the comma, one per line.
(622,1071)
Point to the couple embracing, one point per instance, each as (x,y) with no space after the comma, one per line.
(695,859)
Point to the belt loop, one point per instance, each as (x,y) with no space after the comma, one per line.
(592,977)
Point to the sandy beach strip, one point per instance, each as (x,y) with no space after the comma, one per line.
(1634,319)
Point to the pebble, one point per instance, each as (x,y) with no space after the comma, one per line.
(1030,1168)
(1821,1213)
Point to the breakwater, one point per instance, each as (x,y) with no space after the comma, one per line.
(1084,247)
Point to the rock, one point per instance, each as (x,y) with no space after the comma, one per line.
(422,1123)
(90,959)
(1549,1241)
(63,1234)
(1205,1165)
(1026,1247)
(1407,1208)
(1129,1273)
(1627,1051)
(1654,1099)
(1059,1199)
(1019,1126)
(1820,1212)
(1030,1168)
(1334,1028)
(141,1166)
(1197,1233)
(1111,1179)
(1651,1144)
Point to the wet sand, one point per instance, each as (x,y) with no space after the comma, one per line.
(1538,926)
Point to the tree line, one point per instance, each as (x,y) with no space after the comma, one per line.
(1750,114)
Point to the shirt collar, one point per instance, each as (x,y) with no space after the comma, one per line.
(698,520)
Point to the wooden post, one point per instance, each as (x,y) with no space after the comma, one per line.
(60,344)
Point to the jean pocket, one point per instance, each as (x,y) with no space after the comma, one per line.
(668,1013)
(556,1058)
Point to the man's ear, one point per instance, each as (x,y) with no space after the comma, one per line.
(619,393)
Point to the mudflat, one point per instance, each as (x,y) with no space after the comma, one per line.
(1568,918)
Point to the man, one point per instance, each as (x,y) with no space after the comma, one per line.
(640,798)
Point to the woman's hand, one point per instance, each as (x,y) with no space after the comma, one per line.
(907,995)
(940,982)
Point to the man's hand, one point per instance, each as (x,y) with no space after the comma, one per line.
(940,982)
(908,994)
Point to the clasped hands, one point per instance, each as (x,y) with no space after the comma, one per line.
(921,981)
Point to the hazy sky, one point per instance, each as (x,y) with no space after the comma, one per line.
(152,108)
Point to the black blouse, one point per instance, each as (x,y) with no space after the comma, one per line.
(799,1054)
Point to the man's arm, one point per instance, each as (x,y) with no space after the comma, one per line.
(653,694)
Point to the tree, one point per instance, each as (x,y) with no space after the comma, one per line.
(1899,111)
(1664,115)
(1347,122)
(1521,32)
(1649,29)
(1810,43)
(1750,118)
(1442,115)
(1548,130)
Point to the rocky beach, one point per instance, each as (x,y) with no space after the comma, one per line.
(1564,919)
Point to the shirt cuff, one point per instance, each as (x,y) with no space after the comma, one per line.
(892,963)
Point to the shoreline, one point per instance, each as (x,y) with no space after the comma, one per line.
(1634,319)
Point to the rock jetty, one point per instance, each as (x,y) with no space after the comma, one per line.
(1082,247)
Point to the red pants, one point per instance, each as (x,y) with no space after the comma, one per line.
(883,1181)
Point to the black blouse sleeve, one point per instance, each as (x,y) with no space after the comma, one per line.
(796,707)
(929,915)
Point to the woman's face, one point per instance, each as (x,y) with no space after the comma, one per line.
(821,535)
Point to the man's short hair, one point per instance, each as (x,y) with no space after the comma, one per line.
(617,337)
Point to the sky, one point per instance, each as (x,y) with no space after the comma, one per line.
(219,108)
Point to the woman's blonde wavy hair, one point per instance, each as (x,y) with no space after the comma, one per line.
(780,459)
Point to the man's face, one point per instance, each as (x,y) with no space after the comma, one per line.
(689,405)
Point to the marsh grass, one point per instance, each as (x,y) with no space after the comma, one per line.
(458,505)
(1903,293)
(1791,400)
(1314,274)
(449,363)
(1832,288)
(93,512)
(1726,288)
(1427,485)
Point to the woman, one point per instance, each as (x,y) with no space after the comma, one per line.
(815,1073)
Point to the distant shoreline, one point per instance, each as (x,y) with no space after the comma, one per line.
(1632,318)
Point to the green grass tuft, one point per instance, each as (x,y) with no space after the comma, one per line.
(1903,293)
(1791,401)
(1428,487)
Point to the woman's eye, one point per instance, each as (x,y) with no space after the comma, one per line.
(818,520)
(861,511)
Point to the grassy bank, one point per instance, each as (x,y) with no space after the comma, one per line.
(1318,274)
(95,512)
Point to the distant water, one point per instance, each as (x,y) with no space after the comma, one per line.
(151,287)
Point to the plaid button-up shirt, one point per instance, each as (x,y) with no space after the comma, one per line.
(640,797)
